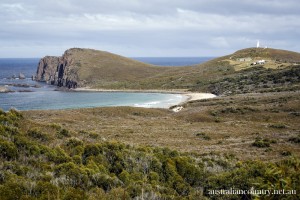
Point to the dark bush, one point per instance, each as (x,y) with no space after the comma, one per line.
(8,150)
(37,134)
(261,143)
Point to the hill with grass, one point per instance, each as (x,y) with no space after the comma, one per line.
(103,70)
(87,67)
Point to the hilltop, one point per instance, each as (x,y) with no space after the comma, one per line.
(104,70)
(87,67)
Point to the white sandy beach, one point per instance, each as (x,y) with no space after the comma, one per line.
(199,96)
(191,96)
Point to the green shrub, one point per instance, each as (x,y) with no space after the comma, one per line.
(11,190)
(37,134)
(8,150)
(64,133)
(93,135)
(14,114)
(261,143)
(203,136)
(90,150)
(74,142)
(46,190)
(55,126)
(295,139)
(57,155)
(75,194)
(286,153)
(279,126)
(124,176)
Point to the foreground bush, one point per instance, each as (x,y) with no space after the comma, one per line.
(34,167)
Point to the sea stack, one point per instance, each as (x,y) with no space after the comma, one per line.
(22,76)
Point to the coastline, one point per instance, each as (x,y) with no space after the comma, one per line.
(191,96)
(86,89)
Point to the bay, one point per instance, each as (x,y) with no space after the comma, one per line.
(45,97)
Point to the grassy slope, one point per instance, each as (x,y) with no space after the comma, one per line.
(105,70)
(100,68)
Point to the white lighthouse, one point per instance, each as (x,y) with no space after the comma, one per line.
(257,44)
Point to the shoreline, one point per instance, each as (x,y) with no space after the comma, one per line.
(191,96)
(175,102)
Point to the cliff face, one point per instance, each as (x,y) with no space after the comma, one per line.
(86,67)
(58,71)
(47,68)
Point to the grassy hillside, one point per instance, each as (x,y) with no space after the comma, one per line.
(100,68)
(268,53)
(203,77)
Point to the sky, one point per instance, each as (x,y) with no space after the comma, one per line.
(153,28)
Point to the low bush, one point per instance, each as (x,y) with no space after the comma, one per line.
(262,143)
(203,136)
(279,126)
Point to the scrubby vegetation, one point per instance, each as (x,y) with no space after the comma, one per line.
(256,79)
(35,165)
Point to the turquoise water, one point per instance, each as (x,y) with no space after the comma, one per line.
(46,97)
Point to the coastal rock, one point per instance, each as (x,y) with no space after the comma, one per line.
(57,71)
(22,76)
(47,69)
(4,89)
(92,68)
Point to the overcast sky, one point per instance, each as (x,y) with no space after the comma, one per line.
(35,28)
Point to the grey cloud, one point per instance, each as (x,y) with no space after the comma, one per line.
(141,28)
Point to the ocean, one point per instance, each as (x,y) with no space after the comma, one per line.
(31,95)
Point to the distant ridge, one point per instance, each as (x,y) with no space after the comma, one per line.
(103,70)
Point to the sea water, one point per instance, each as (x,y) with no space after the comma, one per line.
(37,95)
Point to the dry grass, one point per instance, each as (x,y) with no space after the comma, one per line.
(100,67)
(230,125)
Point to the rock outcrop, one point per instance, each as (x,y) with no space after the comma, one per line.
(22,76)
(4,89)
(87,67)
(58,71)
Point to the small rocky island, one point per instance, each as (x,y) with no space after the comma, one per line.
(4,89)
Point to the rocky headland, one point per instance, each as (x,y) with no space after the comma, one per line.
(86,67)
(57,71)
(231,74)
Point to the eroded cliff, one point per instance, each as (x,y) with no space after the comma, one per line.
(87,67)
(58,71)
